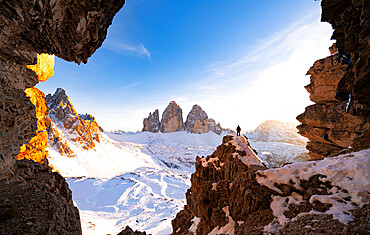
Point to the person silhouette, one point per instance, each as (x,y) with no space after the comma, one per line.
(238,129)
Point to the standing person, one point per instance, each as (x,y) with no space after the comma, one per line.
(238,129)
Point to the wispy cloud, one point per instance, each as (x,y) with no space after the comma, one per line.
(121,47)
(268,81)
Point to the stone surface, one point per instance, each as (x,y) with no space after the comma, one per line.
(82,131)
(351,24)
(72,30)
(34,200)
(227,193)
(129,231)
(37,201)
(172,119)
(340,87)
(216,127)
(197,120)
(325,76)
(221,183)
(151,123)
(35,149)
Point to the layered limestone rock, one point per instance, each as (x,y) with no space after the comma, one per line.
(350,21)
(172,119)
(151,123)
(72,30)
(328,124)
(216,128)
(233,193)
(40,202)
(35,149)
(197,120)
(37,201)
(340,87)
(83,132)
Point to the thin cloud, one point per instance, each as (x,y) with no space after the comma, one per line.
(268,82)
(120,47)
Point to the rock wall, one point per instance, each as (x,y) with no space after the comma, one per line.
(37,201)
(197,121)
(151,123)
(72,30)
(36,149)
(233,193)
(172,119)
(33,199)
(83,132)
(340,87)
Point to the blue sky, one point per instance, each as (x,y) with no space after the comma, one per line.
(242,61)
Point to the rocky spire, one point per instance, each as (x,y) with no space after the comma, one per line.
(83,130)
(151,123)
(172,119)
(196,122)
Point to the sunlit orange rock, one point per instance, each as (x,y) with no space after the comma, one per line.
(35,149)
(81,129)
(44,67)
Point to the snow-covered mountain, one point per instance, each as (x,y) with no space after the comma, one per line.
(277,131)
(278,143)
(136,179)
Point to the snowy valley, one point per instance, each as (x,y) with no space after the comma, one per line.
(139,179)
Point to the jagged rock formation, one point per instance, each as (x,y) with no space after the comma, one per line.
(233,193)
(327,124)
(216,128)
(82,131)
(35,149)
(172,119)
(197,121)
(340,87)
(37,201)
(129,231)
(151,123)
(72,30)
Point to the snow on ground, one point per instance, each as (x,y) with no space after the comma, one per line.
(109,158)
(349,174)
(136,179)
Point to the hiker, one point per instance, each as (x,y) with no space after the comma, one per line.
(238,129)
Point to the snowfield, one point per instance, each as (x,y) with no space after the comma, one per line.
(140,179)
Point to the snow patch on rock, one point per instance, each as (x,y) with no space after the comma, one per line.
(348,172)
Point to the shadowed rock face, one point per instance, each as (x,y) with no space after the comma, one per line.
(197,120)
(172,119)
(82,131)
(34,200)
(72,30)
(37,201)
(151,123)
(340,86)
(231,191)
